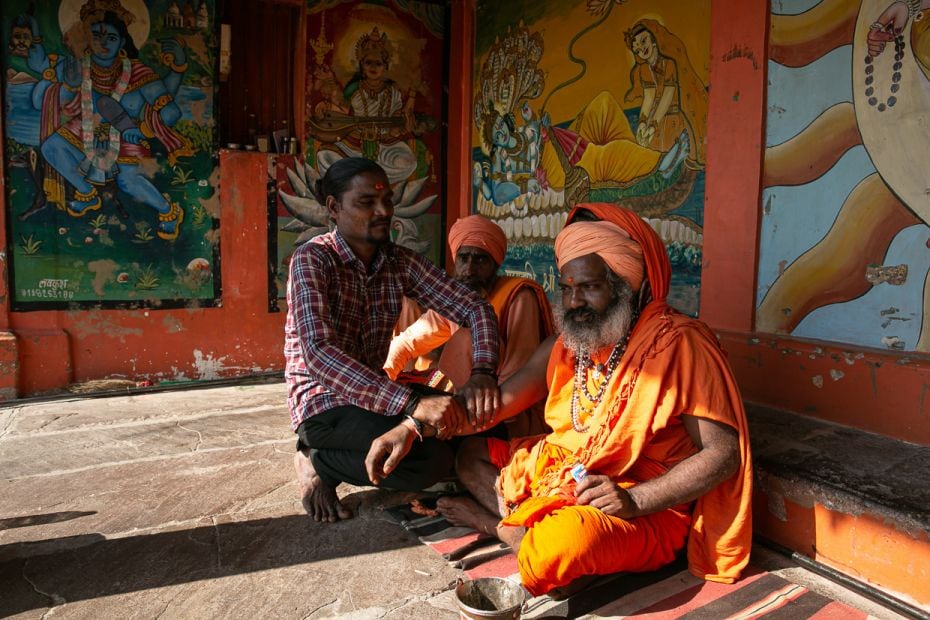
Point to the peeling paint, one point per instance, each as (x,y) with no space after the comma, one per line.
(817,380)
(103,271)
(94,323)
(893,342)
(891,319)
(212,204)
(836,375)
(895,275)
(178,374)
(207,366)
(172,324)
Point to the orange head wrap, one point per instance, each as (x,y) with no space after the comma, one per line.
(479,232)
(623,255)
(658,268)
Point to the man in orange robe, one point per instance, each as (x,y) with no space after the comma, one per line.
(523,315)
(643,407)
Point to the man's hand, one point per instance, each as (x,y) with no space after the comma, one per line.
(440,412)
(387,451)
(482,398)
(602,493)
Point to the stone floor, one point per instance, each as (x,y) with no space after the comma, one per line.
(182,504)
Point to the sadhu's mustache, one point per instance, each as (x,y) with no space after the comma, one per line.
(580,313)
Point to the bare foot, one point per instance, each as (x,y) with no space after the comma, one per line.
(318,498)
(467,512)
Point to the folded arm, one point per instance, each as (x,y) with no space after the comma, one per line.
(427,333)
(717,459)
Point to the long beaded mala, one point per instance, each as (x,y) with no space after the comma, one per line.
(895,77)
(582,363)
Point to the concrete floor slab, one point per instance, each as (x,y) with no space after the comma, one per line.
(184,505)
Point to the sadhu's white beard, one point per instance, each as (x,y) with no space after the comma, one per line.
(607,329)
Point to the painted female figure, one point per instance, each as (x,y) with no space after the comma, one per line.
(383,115)
(115,104)
(673,97)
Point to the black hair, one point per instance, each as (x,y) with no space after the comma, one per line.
(339,176)
(111,19)
(584,215)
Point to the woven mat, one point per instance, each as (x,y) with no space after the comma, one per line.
(671,592)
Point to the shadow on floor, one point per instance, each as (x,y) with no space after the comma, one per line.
(38,574)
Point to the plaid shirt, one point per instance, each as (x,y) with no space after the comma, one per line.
(340,320)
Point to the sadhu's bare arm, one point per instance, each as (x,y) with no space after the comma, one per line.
(717,458)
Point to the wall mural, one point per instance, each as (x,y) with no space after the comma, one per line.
(110,153)
(375,84)
(592,101)
(844,246)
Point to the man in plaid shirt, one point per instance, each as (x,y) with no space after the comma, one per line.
(344,295)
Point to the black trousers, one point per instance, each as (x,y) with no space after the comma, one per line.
(339,440)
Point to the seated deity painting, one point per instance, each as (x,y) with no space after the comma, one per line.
(375,77)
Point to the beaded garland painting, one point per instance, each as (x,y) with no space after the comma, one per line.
(845,176)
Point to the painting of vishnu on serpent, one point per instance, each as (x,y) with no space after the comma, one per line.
(110,159)
(844,239)
(597,101)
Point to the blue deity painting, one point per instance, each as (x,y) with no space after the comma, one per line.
(110,145)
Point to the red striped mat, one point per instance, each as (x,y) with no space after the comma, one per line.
(671,592)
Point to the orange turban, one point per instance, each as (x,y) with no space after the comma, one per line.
(658,268)
(622,255)
(478,232)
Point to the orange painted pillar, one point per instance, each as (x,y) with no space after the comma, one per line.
(735,141)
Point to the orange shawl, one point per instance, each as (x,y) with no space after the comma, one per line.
(672,366)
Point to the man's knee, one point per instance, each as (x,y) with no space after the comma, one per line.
(432,462)
(558,549)
(567,532)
